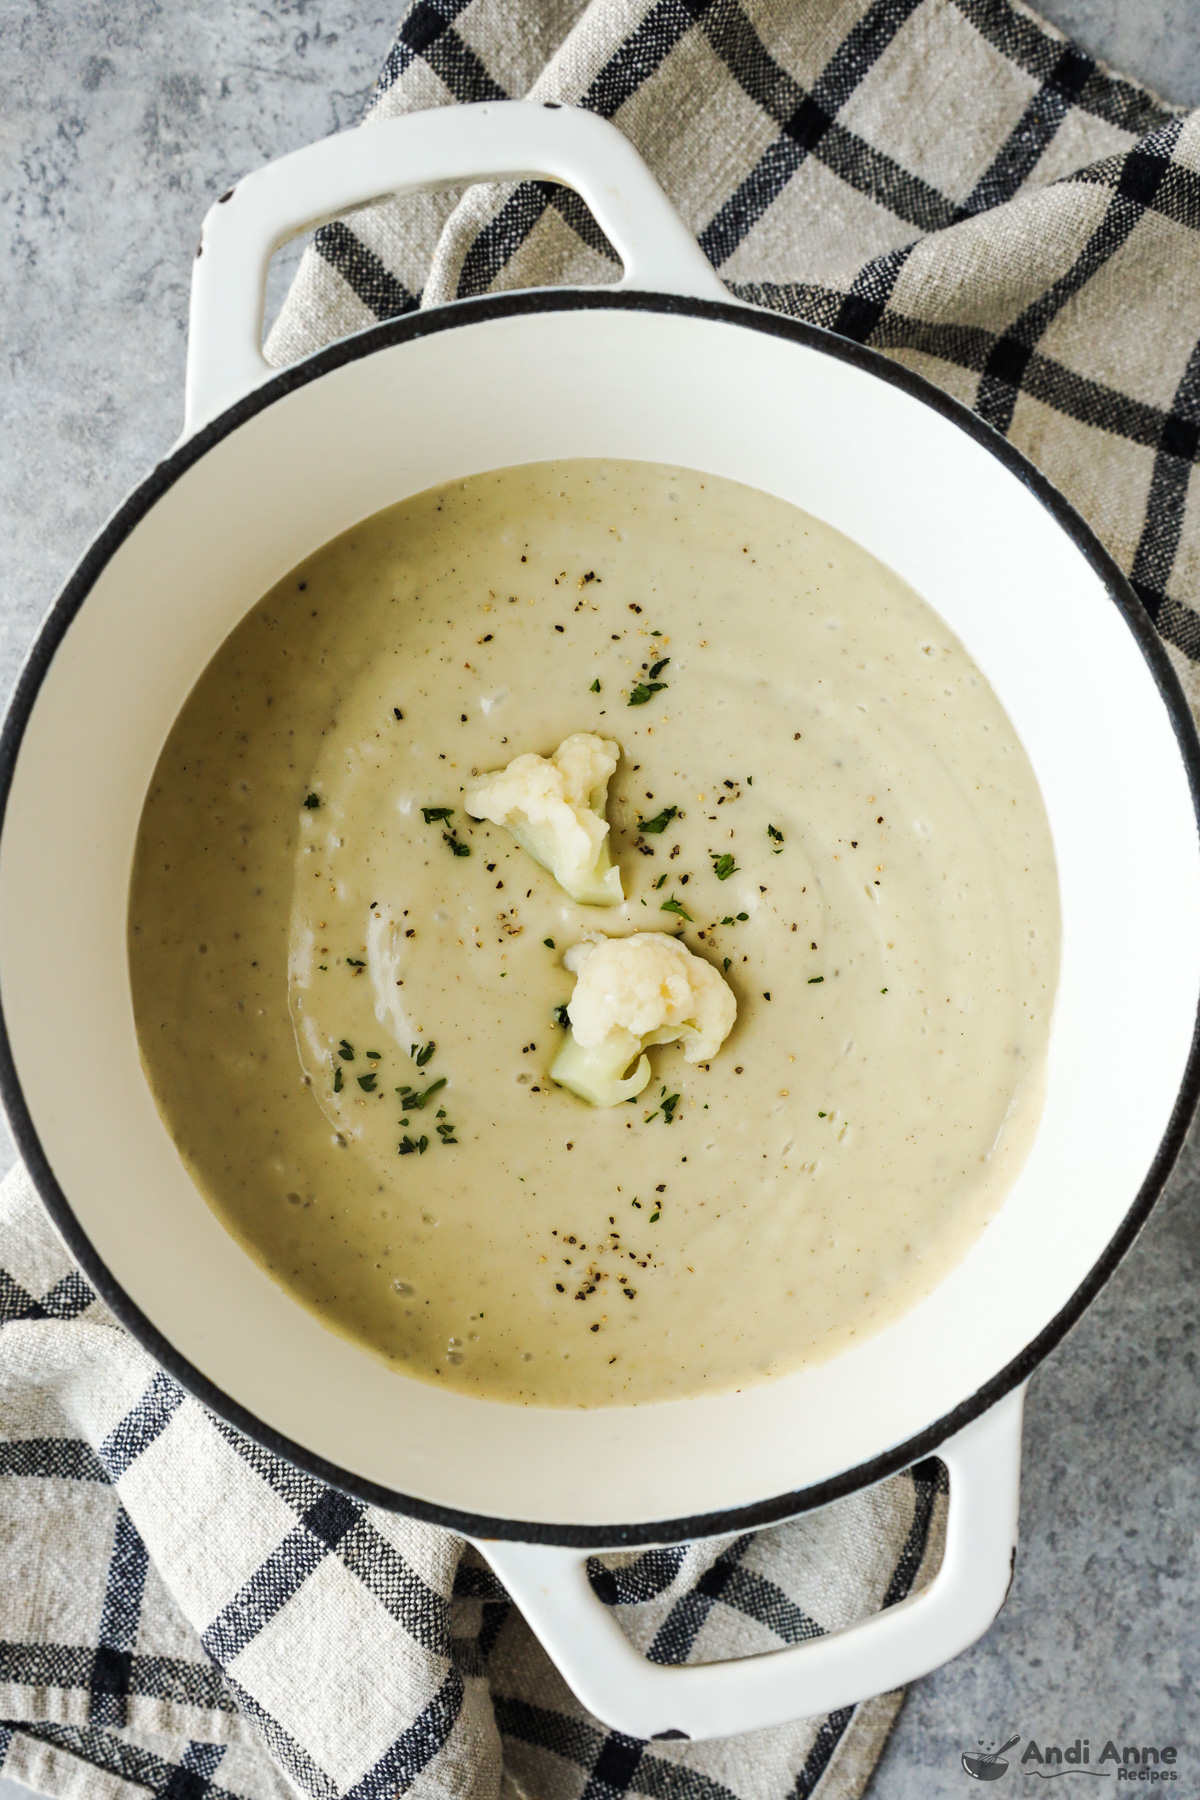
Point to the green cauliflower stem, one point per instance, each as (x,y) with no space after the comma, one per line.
(597,1074)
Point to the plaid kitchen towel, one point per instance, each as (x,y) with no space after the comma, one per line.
(954,183)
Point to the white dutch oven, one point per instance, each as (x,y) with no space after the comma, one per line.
(662,367)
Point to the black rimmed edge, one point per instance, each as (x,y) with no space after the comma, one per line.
(407,329)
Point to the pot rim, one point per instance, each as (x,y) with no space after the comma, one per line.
(408,328)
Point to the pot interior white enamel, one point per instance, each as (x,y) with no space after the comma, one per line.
(742,396)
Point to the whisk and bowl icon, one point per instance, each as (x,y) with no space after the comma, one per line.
(988,1765)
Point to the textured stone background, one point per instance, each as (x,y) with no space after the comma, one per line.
(119,123)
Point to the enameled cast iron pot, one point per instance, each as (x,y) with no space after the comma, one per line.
(665,368)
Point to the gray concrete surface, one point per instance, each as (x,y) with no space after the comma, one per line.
(1155,41)
(118,124)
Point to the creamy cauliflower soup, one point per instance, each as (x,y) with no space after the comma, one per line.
(593,935)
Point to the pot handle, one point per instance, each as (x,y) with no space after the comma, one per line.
(442,147)
(707,1700)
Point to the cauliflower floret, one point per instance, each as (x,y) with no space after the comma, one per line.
(554,808)
(632,992)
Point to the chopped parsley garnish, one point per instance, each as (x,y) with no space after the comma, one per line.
(456,848)
(661,882)
(346,1051)
(726,960)
(655,1217)
(367,1082)
(434,815)
(561,1017)
(337,1079)
(642,691)
(373,1055)
(776,838)
(409,1146)
(883,990)
(822,1115)
(729,918)
(312,801)
(742,917)
(595,688)
(446,1133)
(723,866)
(549,943)
(673,906)
(666,1106)
(658,824)
(413,1099)
(813,980)
(354,962)
(421,1054)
